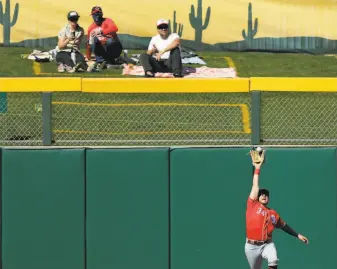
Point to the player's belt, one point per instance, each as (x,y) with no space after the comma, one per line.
(258,243)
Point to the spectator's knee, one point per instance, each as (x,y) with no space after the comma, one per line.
(111,41)
(144,56)
(175,51)
(58,57)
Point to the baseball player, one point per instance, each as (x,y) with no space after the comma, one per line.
(261,222)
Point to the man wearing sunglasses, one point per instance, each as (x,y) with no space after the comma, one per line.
(68,57)
(103,40)
(163,54)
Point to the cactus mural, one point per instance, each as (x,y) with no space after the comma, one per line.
(249,36)
(5,20)
(177,28)
(197,22)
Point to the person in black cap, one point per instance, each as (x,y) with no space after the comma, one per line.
(68,57)
(103,40)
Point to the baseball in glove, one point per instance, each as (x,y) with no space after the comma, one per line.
(257,154)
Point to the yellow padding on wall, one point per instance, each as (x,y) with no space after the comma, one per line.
(40,84)
(167,85)
(162,85)
(294,84)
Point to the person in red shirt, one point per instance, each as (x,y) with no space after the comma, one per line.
(102,38)
(260,224)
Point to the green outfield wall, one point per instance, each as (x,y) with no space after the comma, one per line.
(167,208)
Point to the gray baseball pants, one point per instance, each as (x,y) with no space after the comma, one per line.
(255,254)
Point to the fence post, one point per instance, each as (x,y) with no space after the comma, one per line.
(47,118)
(256,119)
(3,102)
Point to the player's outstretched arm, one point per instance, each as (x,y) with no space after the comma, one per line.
(255,188)
(290,231)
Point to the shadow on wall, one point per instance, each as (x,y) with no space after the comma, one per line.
(308,44)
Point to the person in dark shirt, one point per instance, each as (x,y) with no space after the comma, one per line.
(102,39)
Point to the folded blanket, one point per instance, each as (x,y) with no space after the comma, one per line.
(189,72)
(42,56)
(193,60)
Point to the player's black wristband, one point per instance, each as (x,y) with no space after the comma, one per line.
(289,230)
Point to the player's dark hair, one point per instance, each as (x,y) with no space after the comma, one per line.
(263,191)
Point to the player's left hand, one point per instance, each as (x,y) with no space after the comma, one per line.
(303,239)
(257,159)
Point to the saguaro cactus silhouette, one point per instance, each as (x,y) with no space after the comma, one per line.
(197,23)
(250,31)
(176,26)
(5,20)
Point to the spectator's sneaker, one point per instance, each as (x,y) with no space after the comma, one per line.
(80,67)
(91,68)
(96,67)
(149,74)
(61,68)
(178,74)
(100,66)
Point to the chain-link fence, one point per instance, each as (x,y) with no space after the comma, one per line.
(93,119)
(151,119)
(21,119)
(299,118)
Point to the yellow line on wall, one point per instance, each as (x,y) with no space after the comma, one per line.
(291,84)
(147,133)
(164,85)
(125,85)
(40,84)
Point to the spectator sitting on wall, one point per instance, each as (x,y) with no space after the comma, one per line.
(103,40)
(163,54)
(68,56)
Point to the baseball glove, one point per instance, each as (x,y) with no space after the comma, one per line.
(257,156)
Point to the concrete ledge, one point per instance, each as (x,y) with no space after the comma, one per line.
(163,85)
(40,84)
(274,84)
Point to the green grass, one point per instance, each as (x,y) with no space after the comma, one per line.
(248,64)
(139,119)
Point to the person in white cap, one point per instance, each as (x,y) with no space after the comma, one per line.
(68,57)
(163,54)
